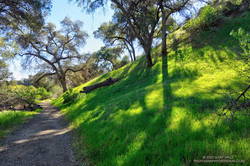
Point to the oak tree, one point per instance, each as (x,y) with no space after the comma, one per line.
(141,16)
(117,32)
(55,51)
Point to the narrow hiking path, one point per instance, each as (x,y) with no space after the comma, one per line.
(45,140)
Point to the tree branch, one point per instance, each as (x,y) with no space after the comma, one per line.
(42,58)
(73,70)
(44,75)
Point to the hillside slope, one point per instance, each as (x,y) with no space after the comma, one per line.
(152,117)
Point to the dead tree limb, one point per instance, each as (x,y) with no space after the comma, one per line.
(107,82)
(242,94)
(234,102)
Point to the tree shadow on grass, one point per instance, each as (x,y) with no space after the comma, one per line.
(119,93)
(142,122)
(221,44)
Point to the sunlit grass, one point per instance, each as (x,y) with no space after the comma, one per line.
(10,119)
(133,128)
(154,118)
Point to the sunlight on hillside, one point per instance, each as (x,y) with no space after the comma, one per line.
(156,118)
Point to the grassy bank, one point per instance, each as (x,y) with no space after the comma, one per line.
(10,119)
(166,115)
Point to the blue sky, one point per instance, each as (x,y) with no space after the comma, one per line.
(62,9)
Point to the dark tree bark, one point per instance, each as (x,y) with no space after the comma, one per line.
(148,57)
(130,54)
(239,97)
(63,83)
(164,34)
(133,53)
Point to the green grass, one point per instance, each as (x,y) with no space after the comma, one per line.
(158,117)
(10,119)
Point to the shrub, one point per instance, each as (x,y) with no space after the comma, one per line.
(42,93)
(12,95)
(206,17)
(27,94)
(69,96)
(243,37)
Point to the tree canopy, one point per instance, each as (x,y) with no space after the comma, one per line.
(117,32)
(16,13)
(4,71)
(56,52)
(142,18)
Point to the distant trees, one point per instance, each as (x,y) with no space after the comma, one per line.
(90,69)
(141,19)
(55,51)
(117,32)
(102,61)
(4,71)
(91,65)
(50,83)
(107,59)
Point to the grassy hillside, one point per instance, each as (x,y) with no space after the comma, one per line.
(154,117)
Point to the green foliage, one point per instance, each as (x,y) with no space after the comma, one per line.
(212,15)
(207,15)
(108,59)
(70,96)
(20,94)
(244,40)
(42,93)
(16,14)
(4,55)
(4,71)
(9,119)
(29,93)
(60,46)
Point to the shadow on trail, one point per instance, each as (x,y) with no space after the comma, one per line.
(44,140)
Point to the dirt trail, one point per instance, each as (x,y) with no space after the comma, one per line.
(43,141)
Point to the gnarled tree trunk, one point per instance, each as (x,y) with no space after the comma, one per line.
(147,46)
(62,80)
